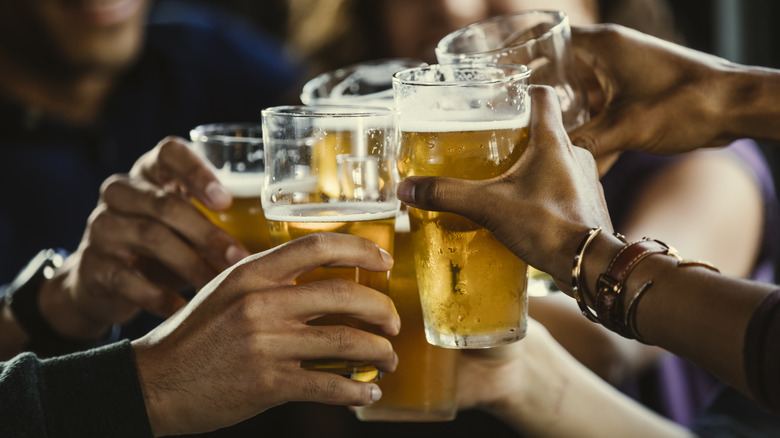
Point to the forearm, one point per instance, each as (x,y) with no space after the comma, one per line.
(691,311)
(751,108)
(568,400)
(12,337)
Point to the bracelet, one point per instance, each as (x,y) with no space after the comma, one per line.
(609,286)
(577,269)
(629,322)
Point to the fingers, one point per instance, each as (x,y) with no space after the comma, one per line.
(336,390)
(162,219)
(172,162)
(283,264)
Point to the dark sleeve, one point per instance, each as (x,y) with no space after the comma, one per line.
(95,393)
(762,352)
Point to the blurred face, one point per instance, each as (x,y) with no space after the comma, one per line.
(414,27)
(73,35)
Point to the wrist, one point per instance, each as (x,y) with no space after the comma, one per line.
(750,107)
(64,315)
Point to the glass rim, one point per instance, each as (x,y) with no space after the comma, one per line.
(522,72)
(206,132)
(562,19)
(328,110)
(308,91)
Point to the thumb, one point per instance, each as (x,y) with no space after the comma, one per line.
(442,194)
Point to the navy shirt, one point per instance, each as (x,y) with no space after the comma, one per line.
(50,172)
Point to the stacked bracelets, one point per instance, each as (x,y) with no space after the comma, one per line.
(608,304)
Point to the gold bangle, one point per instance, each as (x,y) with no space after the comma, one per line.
(576,270)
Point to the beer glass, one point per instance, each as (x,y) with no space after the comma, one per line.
(423,386)
(332,168)
(364,83)
(539,39)
(466,121)
(236,152)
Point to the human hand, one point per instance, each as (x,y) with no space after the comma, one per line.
(236,349)
(144,243)
(654,95)
(541,207)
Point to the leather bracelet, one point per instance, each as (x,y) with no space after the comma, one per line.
(608,303)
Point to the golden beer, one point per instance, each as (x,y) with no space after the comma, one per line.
(423,387)
(369,220)
(244,219)
(472,288)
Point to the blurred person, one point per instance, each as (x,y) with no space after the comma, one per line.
(85,89)
(647,194)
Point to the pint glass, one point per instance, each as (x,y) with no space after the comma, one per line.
(236,152)
(423,387)
(332,169)
(539,39)
(466,121)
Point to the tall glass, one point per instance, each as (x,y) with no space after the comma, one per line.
(471,122)
(423,386)
(236,152)
(332,169)
(538,39)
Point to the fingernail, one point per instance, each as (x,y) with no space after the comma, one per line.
(235,254)
(217,194)
(376,393)
(405,191)
(386,256)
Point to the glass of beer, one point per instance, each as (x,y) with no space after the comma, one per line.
(362,83)
(539,39)
(332,169)
(467,121)
(236,152)
(423,387)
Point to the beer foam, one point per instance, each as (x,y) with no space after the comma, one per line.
(456,125)
(243,185)
(332,212)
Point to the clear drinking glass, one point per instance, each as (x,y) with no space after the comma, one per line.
(539,39)
(365,83)
(332,169)
(423,386)
(466,121)
(236,152)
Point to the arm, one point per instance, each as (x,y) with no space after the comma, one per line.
(165,246)
(661,97)
(693,312)
(234,351)
(536,387)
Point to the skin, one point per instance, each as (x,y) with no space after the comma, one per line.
(252,320)
(63,57)
(166,245)
(724,192)
(568,200)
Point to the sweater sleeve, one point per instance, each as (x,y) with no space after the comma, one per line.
(90,393)
(762,352)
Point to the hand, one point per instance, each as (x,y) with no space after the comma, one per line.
(144,243)
(236,349)
(541,208)
(654,96)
